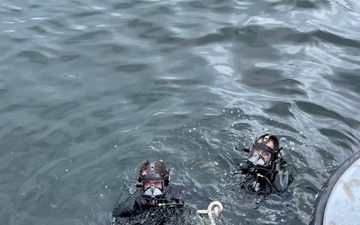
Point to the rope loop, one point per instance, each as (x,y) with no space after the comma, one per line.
(214,210)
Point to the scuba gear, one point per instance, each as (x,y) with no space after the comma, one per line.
(262,157)
(263,163)
(262,171)
(136,209)
(172,204)
(155,201)
(153,185)
(257,160)
(261,148)
(152,191)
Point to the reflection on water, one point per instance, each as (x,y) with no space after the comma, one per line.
(89,90)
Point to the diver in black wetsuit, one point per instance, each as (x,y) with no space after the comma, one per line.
(156,201)
(263,171)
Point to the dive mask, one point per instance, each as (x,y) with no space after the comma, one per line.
(153,184)
(153,190)
(257,160)
(262,155)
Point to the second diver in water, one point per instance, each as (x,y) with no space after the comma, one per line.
(264,170)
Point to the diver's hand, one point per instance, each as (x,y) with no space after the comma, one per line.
(245,167)
(282,180)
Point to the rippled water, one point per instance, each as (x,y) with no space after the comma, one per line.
(90,89)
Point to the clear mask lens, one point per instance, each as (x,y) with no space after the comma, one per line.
(257,160)
(153,191)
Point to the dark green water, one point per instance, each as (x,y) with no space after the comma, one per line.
(89,89)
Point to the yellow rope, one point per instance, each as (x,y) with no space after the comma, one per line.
(214,209)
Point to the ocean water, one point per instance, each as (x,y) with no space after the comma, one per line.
(90,89)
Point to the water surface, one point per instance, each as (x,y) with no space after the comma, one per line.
(90,89)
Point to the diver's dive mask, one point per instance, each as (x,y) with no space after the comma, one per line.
(153,185)
(257,160)
(152,189)
(262,157)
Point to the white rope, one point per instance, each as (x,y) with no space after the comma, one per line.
(214,209)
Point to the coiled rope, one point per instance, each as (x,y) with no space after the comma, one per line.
(214,209)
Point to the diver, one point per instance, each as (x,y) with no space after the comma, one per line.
(156,201)
(263,170)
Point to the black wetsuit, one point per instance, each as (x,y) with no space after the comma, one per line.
(137,210)
(276,181)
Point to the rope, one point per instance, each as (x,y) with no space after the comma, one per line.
(215,208)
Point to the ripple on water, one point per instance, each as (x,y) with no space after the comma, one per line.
(87,36)
(69,57)
(59,111)
(317,110)
(273,81)
(282,109)
(131,68)
(3,91)
(34,56)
